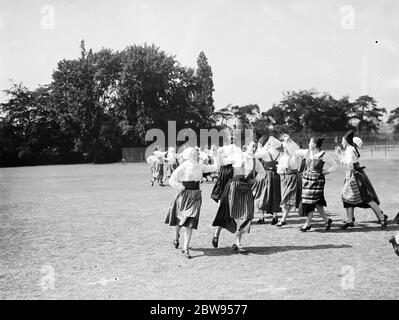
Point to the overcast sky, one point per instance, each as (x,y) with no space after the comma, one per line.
(256,48)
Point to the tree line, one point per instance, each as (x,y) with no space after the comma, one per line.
(103,101)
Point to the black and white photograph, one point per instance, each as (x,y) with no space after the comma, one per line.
(199,150)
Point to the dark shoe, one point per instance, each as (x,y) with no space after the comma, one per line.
(186,253)
(274,221)
(280,224)
(234,248)
(261,221)
(384,222)
(328,225)
(353,220)
(215,241)
(152,183)
(304,229)
(347,225)
(176,242)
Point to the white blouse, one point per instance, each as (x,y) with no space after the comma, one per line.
(171,158)
(349,157)
(190,171)
(293,162)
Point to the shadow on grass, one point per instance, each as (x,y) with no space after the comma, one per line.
(360,228)
(226,251)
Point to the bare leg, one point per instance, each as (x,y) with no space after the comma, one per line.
(217,232)
(286,211)
(377,210)
(320,210)
(309,219)
(187,238)
(177,232)
(349,214)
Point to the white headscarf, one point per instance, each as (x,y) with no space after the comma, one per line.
(290,145)
(190,154)
(358,141)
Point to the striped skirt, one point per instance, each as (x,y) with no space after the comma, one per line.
(267,192)
(184,211)
(312,191)
(225,174)
(358,190)
(236,205)
(291,188)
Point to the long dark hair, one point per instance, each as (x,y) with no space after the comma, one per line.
(349,138)
(318,141)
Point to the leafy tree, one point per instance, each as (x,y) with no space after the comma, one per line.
(365,110)
(203,98)
(394,118)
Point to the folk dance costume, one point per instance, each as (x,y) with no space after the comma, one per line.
(151,160)
(236,209)
(184,211)
(357,190)
(318,163)
(267,192)
(226,173)
(291,179)
(159,166)
(171,160)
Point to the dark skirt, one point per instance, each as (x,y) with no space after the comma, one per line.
(225,174)
(312,191)
(236,203)
(358,190)
(267,192)
(184,211)
(159,171)
(291,188)
(170,167)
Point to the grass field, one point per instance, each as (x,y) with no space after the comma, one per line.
(97,232)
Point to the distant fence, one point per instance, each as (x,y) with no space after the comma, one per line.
(374,147)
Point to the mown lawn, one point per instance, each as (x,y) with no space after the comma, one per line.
(97,232)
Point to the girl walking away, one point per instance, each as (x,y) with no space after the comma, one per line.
(318,165)
(267,192)
(358,190)
(236,209)
(288,167)
(159,166)
(151,160)
(225,175)
(185,208)
(171,159)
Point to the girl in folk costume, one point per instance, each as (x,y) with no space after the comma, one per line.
(226,173)
(171,159)
(267,192)
(318,165)
(151,160)
(159,166)
(236,209)
(358,190)
(185,208)
(288,167)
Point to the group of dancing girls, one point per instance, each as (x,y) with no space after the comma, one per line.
(269,176)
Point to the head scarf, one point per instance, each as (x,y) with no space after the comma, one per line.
(190,154)
(290,145)
(358,141)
